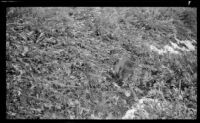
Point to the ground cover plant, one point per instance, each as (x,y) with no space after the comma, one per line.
(60,63)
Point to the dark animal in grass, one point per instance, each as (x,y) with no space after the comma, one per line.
(123,69)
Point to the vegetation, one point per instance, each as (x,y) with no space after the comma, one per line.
(59,63)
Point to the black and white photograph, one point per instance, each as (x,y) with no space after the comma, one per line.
(106,63)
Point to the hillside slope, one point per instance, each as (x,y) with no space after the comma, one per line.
(59,63)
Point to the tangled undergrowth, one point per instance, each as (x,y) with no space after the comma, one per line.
(59,63)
